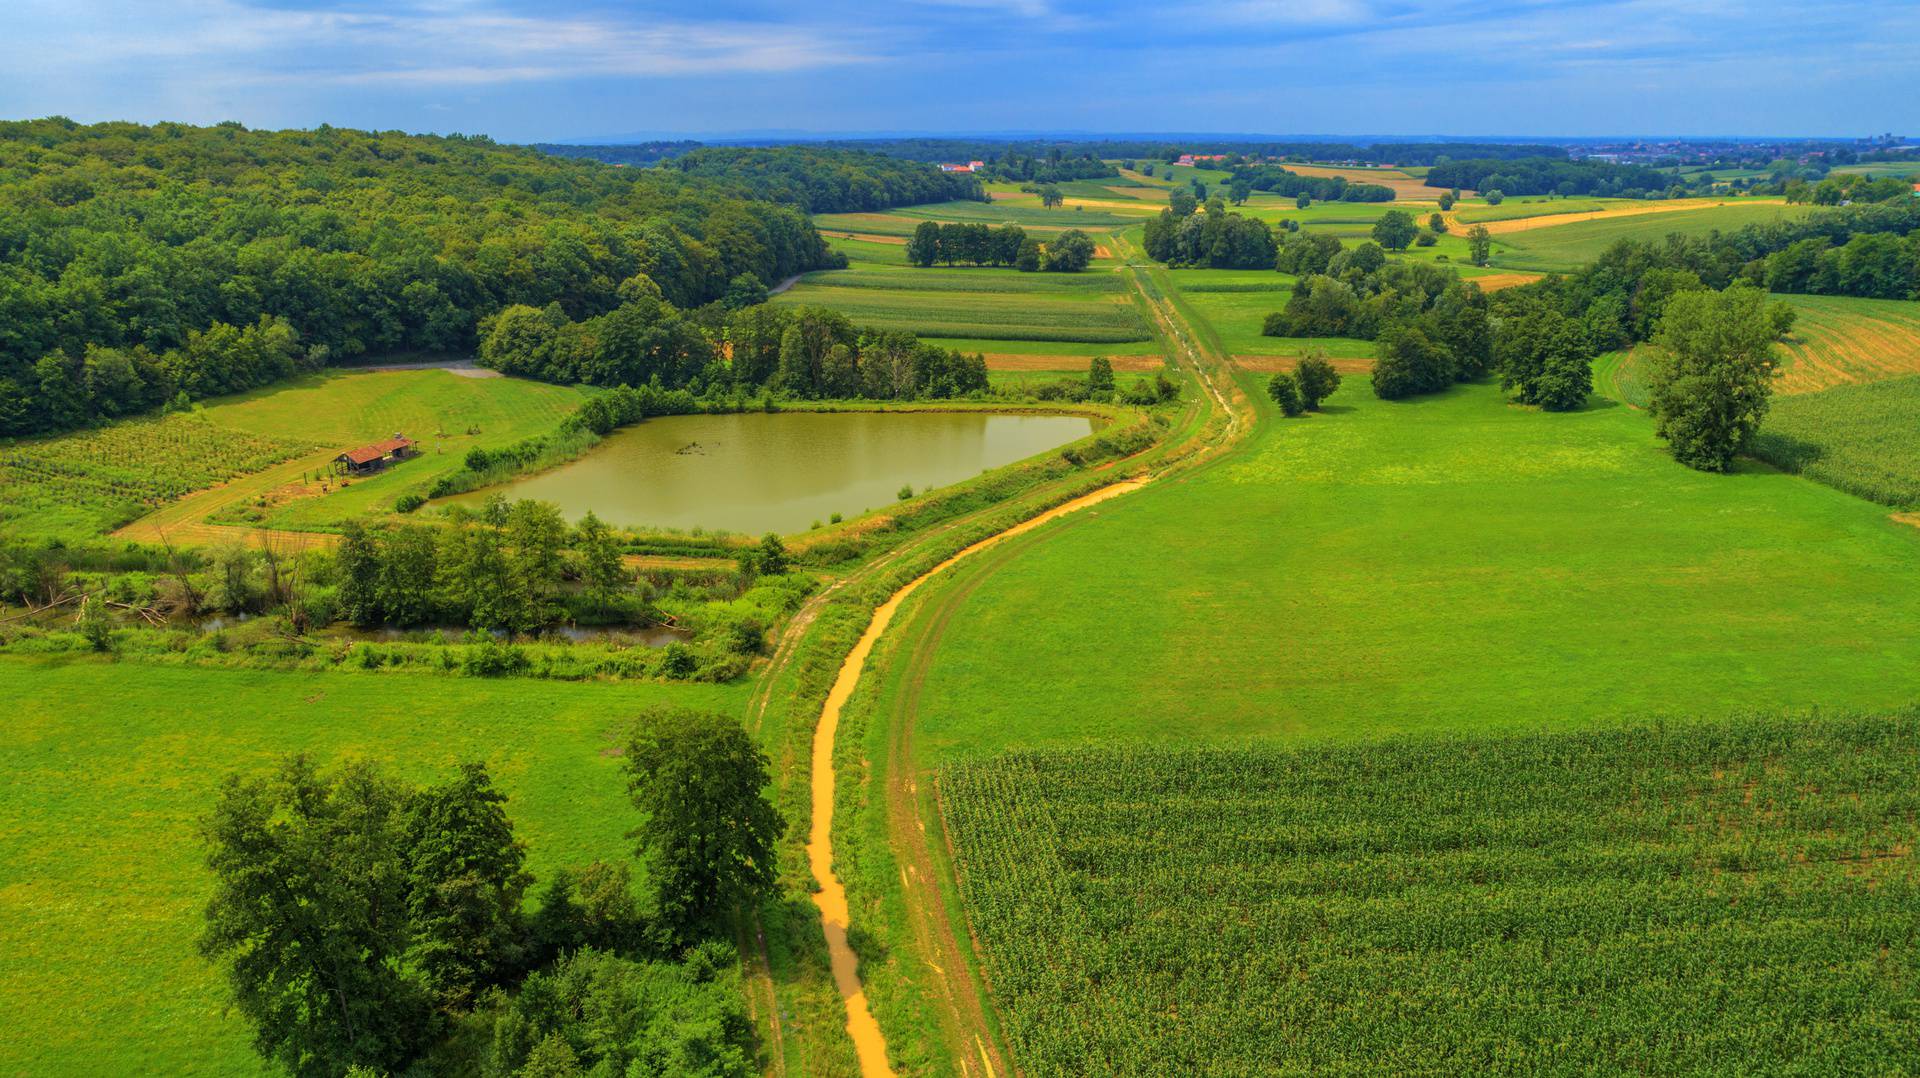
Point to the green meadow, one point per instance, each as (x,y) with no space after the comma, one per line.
(1453,563)
(1567,247)
(110,765)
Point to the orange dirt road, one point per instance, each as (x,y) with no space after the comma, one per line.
(868,1043)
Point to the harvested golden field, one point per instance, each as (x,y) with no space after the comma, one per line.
(1404,186)
(1265,364)
(1840,340)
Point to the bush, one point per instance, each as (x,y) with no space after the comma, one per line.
(409,502)
(1285,392)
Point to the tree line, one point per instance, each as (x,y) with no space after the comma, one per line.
(805,352)
(125,241)
(366,925)
(828,181)
(1289,184)
(1549,176)
(1008,245)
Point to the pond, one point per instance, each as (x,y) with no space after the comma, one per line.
(757,472)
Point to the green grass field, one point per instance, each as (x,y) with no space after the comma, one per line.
(110,765)
(1863,439)
(1568,247)
(1087,315)
(1452,563)
(1235,303)
(1686,900)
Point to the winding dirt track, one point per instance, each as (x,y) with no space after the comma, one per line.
(964,1018)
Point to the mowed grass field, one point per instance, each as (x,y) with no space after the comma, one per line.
(1567,247)
(1678,900)
(1453,563)
(109,766)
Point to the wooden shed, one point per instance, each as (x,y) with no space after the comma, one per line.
(372,458)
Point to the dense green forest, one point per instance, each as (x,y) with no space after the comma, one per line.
(626,153)
(829,181)
(145,265)
(1549,176)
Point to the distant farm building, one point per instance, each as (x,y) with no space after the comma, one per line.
(372,458)
(970,166)
(1192,159)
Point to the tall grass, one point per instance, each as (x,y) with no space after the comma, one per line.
(1862,439)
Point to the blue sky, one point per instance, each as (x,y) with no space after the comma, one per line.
(523,70)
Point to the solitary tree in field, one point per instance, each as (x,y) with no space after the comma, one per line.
(1446,201)
(1479,245)
(1302,200)
(1317,379)
(1050,195)
(1285,392)
(1100,377)
(707,830)
(1395,230)
(1495,197)
(1438,224)
(1711,378)
(1239,191)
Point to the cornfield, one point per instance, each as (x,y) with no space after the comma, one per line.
(1863,439)
(1717,898)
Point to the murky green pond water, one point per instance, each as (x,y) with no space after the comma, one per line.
(758,473)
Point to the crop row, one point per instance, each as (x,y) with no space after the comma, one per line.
(1667,900)
(1863,439)
(970,280)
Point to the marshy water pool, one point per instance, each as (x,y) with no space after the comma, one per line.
(757,472)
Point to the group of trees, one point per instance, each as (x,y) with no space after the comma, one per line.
(1849,187)
(1216,238)
(1289,184)
(517,568)
(1548,176)
(1313,380)
(62,390)
(1009,245)
(1880,265)
(828,181)
(815,352)
(360,920)
(147,242)
(801,351)
(1358,292)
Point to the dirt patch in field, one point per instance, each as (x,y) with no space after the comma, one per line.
(1027,361)
(1494,282)
(1631,209)
(1101,250)
(1274,364)
(1911,520)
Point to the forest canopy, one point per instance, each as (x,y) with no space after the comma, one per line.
(829,181)
(142,263)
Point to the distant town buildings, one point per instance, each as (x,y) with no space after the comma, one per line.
(1192,159)
(970,166)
